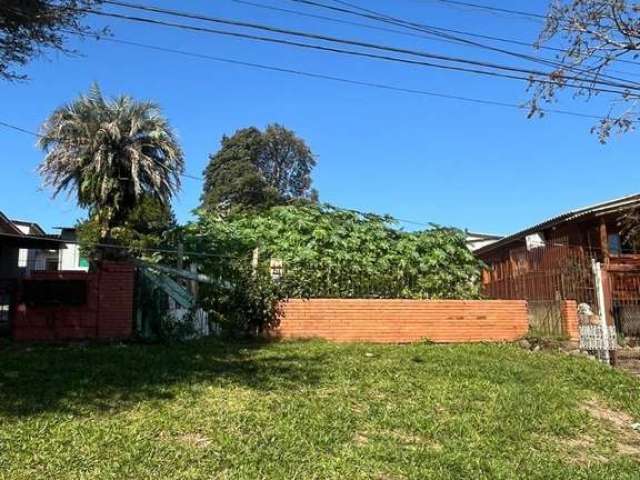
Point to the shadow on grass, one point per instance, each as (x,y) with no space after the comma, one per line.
(83,379)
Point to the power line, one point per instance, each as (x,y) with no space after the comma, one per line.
(379,17)
(490,8)
(346,80)
(329,19)
(431,33)
(367,55)
(154,250)
(443,34)
(30,132)
(269,28)
(324,77)
(38,135)
(19,129)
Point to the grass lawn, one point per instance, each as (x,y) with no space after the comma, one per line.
(308,410)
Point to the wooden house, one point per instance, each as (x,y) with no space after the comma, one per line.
(552,261)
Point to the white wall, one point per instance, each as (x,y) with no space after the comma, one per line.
(70,258)
(32,258)
(475,242)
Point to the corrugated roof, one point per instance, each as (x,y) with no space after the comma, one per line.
(30,241)
(8,224)
(610,205)
(478,235)
(29,224)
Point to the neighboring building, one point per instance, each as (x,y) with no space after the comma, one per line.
(32,249)
(551,261)
(8,251)
(35,259)
(70,258)
(47,293)
(595,229)
(13,239)
(478,240)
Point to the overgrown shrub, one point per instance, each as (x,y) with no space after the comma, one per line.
(247,303)
(329,252)
(324,252)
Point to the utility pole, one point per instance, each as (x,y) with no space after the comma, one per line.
(602,309)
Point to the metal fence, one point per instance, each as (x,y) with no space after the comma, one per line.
(352,281)
(542,274)
(7,290)
(544,277)
(625,303)
(39,264)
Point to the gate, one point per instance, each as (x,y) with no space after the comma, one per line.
(7,295)
(625,301)
(545,277)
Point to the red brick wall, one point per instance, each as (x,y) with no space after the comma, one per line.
(570,323)
(115,315)
(401,321)
(108,313)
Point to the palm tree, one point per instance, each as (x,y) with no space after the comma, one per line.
(112,153)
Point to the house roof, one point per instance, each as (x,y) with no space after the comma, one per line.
(34,225)
(7,225)
(11,235)
(20,240)
(475,236)
(609,206)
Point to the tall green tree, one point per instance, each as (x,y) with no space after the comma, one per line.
(112,154)
(28,27)
(143,230)
(258,169)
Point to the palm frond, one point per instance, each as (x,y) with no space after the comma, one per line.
(111,152)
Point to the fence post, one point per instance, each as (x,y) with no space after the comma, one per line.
(180,255)
(193,284)
(602,308)
(255,260)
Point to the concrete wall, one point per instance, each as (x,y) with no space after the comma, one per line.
(404,321)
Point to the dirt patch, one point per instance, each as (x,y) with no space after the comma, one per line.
(193,439)
(619,424)
(582,451)
(629,363)
(403,438)
(386,476)
(360,439)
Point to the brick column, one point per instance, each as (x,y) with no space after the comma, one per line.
(570,323)
(115,312)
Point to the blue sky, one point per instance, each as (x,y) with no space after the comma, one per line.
(485,168)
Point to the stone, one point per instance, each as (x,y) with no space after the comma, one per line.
(524,343)
(569,345)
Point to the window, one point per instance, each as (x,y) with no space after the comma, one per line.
(615,244)
(43,293)
(23,257)
(535,240)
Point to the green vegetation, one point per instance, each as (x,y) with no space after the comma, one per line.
(144,229)
(255,169)
(28,28)
(313,410)
(337,253)
(111,154)
(321,252)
